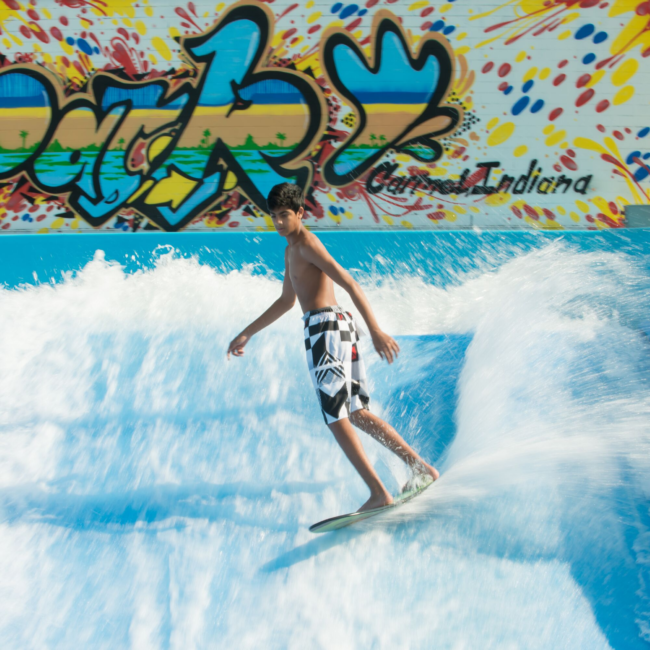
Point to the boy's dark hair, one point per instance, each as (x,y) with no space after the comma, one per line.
(285,195)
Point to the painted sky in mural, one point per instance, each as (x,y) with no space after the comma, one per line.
(131,116)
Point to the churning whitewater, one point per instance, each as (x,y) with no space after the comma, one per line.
(155,495)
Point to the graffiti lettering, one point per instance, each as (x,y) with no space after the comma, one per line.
(418,85)
(385,177)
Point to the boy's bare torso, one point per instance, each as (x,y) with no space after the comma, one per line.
(314,289)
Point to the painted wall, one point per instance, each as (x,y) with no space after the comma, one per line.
(131,116)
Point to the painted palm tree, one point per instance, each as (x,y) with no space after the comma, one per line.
(121,143)
(205,141)
(373,139)
(23,135)
(382,139)
(281,137)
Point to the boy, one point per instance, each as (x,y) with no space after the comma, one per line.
(331,338)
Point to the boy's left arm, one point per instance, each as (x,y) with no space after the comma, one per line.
(318,255)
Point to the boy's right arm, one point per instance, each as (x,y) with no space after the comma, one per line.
(281,306)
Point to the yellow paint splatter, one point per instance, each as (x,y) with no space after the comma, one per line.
(387,219)
(492,123)
(57,223)
(623,95)
(625,72)
(494,200)
(445,8)
(530,74)
(161,48)
(418,5)
(520,57)
(314,17)
(564,35)
(582,206)
(595,78)
(520,150)
(544,73)
(461,50)
(590,145)
(548,129)
(174,32)
(148,11)
(140,26)
(501,134)
(555,138)
(407,224)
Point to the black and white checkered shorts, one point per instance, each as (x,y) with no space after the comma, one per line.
(335,364)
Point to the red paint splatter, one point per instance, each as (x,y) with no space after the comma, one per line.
(436,216)
(643,9)
(313,29)
(516,211)
(185,16)
(425,25)
(589,218)
(40,33)
(288,10)
(557,168)
(56,33)
(190,6)
(504,69)
(426,12)
(503,86)
(371,3)
(32,14)
(25,31)
(613,207)
(562,63)
(487,67)
(602,105)
(233,224)
(569,163)
(601,128)
(559,79)
(571,153)
(583,80)
(531,212)
(64,21)
(12,4)
(585,97)
(555,113)
(354,24)
(618,135)
(548,214)
(289,33)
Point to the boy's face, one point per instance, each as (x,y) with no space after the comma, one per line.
(286,221)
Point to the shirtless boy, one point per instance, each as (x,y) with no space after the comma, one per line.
(331,341)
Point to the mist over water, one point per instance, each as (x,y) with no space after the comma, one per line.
(155,495)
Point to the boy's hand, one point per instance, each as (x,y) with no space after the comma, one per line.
(237,345)
(385,345)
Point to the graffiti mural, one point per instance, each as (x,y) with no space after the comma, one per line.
(127,116)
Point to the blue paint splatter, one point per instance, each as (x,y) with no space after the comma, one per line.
(349,11)
(362,12)
(589,58)
(527,86)
(336,8)
(508,90)
(600,37)
(584,31)
(84,46)
(646,156)
(69,40)
(96,50)
(630,159)
(643,132)
(641,173)
(448,30)
(520,105)
(333,210)
(437,26)
(537,106)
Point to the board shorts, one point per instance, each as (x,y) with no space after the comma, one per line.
(334,360)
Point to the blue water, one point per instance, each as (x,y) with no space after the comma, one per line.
(154,495)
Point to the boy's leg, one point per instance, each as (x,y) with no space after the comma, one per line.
(349,441)
(384,433)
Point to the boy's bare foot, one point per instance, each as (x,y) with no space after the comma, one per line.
(376,501)
(430,470)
